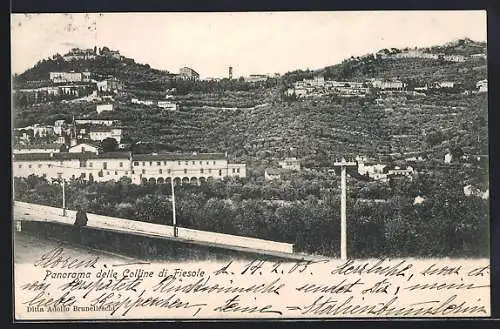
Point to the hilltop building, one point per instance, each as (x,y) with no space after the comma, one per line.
(187,73)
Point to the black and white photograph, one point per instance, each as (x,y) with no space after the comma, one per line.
(250,165)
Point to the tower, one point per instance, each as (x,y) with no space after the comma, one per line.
(230,72)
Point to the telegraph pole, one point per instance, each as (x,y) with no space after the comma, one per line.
(174,219)
(343,205)
(64,196)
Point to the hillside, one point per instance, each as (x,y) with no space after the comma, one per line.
(125,69)
(421,70)
(253,124)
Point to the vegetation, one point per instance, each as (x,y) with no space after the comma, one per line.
(299,211)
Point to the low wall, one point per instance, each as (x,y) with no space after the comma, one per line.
(136,245)
(34,212)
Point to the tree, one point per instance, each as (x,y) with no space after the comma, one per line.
(109,145)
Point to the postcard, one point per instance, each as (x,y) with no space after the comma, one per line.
(250,165)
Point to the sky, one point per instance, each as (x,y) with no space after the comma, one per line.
(251,42)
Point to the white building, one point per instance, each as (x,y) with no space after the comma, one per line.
(455,58)
(104,107)
(290,164)
(63,77)
(166,105)
(446,84)
(101,133)
(183,168)
(482,86)
(110,85)
(142,102)
(83,148)
(448,158)
(375,171)
(388,84)
(44,148)
(108,123)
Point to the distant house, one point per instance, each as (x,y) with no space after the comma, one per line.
(290,164)
(64,77)
(455,58)
(104,107)
(101,133)
(110,85)
(42,148)
(166,105)
(446,84)
(448,158)
(400,172)
(84,148)
(272,174)
(482,86)
(388,84)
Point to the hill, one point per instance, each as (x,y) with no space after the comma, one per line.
(391,63)
(125,69)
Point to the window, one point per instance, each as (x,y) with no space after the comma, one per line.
(133,172)
(49,165)
(104,165)
(201,171)
(201,163)
(83,149)
(40,165)
(91,164)
(238,170)
(136,163)
(150,163)
(107,173)
(186,163)
(116,172)
(214,162)
(164,163)
(234,170)
(29,166)
(143,171)
(168,171)
(209,171)
(220,172)
(158,163)
(185,171)
(207,162)
(179,163)
(121,164)
(126,173)
(160,171)
(143,163)
(60,163)
(19,166)
(193,162)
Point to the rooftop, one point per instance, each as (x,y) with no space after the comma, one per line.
(179,156)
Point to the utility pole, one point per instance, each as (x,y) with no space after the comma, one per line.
(64,196)
(174,219)
(343,205)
